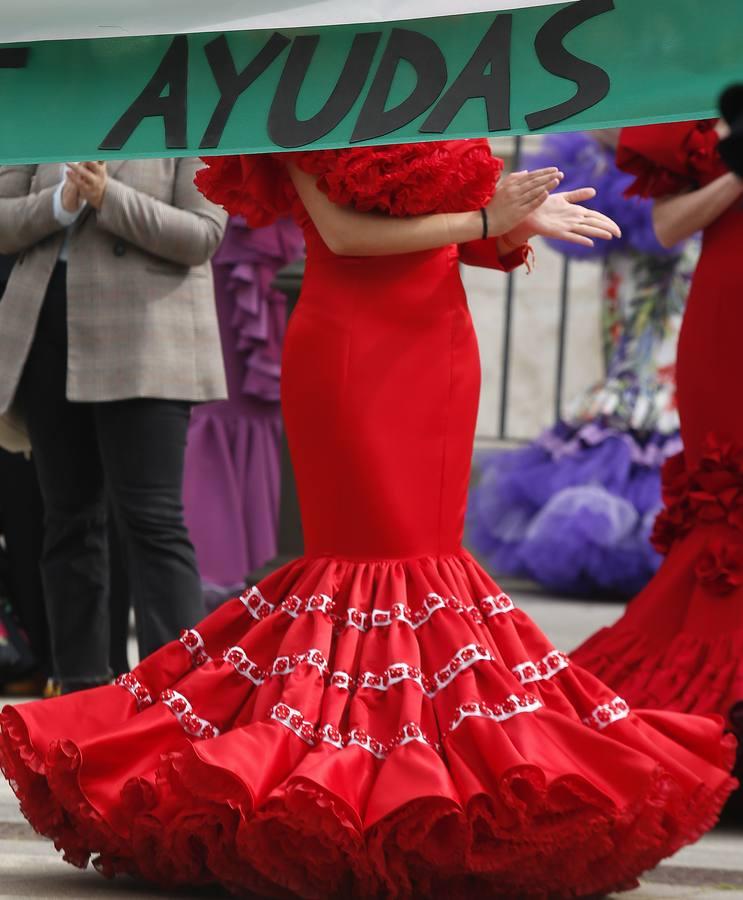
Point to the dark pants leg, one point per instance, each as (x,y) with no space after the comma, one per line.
(142,444)
(21,522)
(119,598)
(74,562)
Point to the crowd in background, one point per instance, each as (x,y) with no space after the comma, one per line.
(128,303)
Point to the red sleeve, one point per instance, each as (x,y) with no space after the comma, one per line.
(667,159)
(406,179)
(485,255)
(256,187)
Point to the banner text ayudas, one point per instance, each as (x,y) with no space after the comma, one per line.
(591,63)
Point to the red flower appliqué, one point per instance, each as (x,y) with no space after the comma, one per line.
(711,492)
(719,567)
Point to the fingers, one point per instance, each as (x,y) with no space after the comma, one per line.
(534,203)
(519,181)
(593,231)
(530,190)
(591,216)
(529,194)
(601,221)
(580,195)
(78,174)
(541,178)
(538,173)
(573,238)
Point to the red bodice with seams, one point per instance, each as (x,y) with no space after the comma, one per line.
(382,470)
(381,376)
(376,719)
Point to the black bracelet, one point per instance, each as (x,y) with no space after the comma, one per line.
(484,222)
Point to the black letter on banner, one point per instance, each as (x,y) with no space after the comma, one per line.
(232,84)
(593,82)
(430,68)
(284,128)
(14,57)
(493,52)
(172,73)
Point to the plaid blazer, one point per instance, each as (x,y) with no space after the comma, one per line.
(141,314)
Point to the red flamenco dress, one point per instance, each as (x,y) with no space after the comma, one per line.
(679,646)
(375,719)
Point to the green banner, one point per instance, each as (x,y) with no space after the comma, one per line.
(569,66)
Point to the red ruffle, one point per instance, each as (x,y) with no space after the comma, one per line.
(399,180)
(667,159)
(255,187)
(475,758)
(407,179)
(679,646)
(711,492)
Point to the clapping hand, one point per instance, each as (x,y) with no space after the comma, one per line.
(517,196)
(561,217)
(89,179)
(71,199)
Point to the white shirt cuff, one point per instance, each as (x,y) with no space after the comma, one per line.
(62,215)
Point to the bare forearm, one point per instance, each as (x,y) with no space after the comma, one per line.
(364,234)
(679,217)
(348,232)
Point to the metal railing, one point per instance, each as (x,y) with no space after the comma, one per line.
(511,150)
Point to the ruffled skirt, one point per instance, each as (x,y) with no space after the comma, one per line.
(573,510)
(679,645)
(375,729)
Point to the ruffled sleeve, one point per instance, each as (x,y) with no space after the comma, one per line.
(407,179)
(256,187)
(667,159)
(399,180)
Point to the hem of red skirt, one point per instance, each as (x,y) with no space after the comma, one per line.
(219,839)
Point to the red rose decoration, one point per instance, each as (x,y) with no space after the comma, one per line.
(711,492)
(720,567)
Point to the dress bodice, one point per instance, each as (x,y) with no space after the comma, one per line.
(381,373)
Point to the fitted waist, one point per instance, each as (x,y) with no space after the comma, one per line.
(420,284)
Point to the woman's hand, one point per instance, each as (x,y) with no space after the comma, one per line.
(90,179)
(71,199)
(517,196)
(562,218)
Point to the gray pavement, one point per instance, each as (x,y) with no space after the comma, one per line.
(710,870)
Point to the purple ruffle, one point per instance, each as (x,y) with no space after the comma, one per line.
(588,163)
(252,258)
(232,472)
(573,510)
(564,440)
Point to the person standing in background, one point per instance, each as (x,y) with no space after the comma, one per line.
(573,509)
(108,335)
(232,479)
(679,644)
(24,640)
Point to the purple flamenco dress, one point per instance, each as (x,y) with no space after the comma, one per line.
(573,510)
(231,486)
